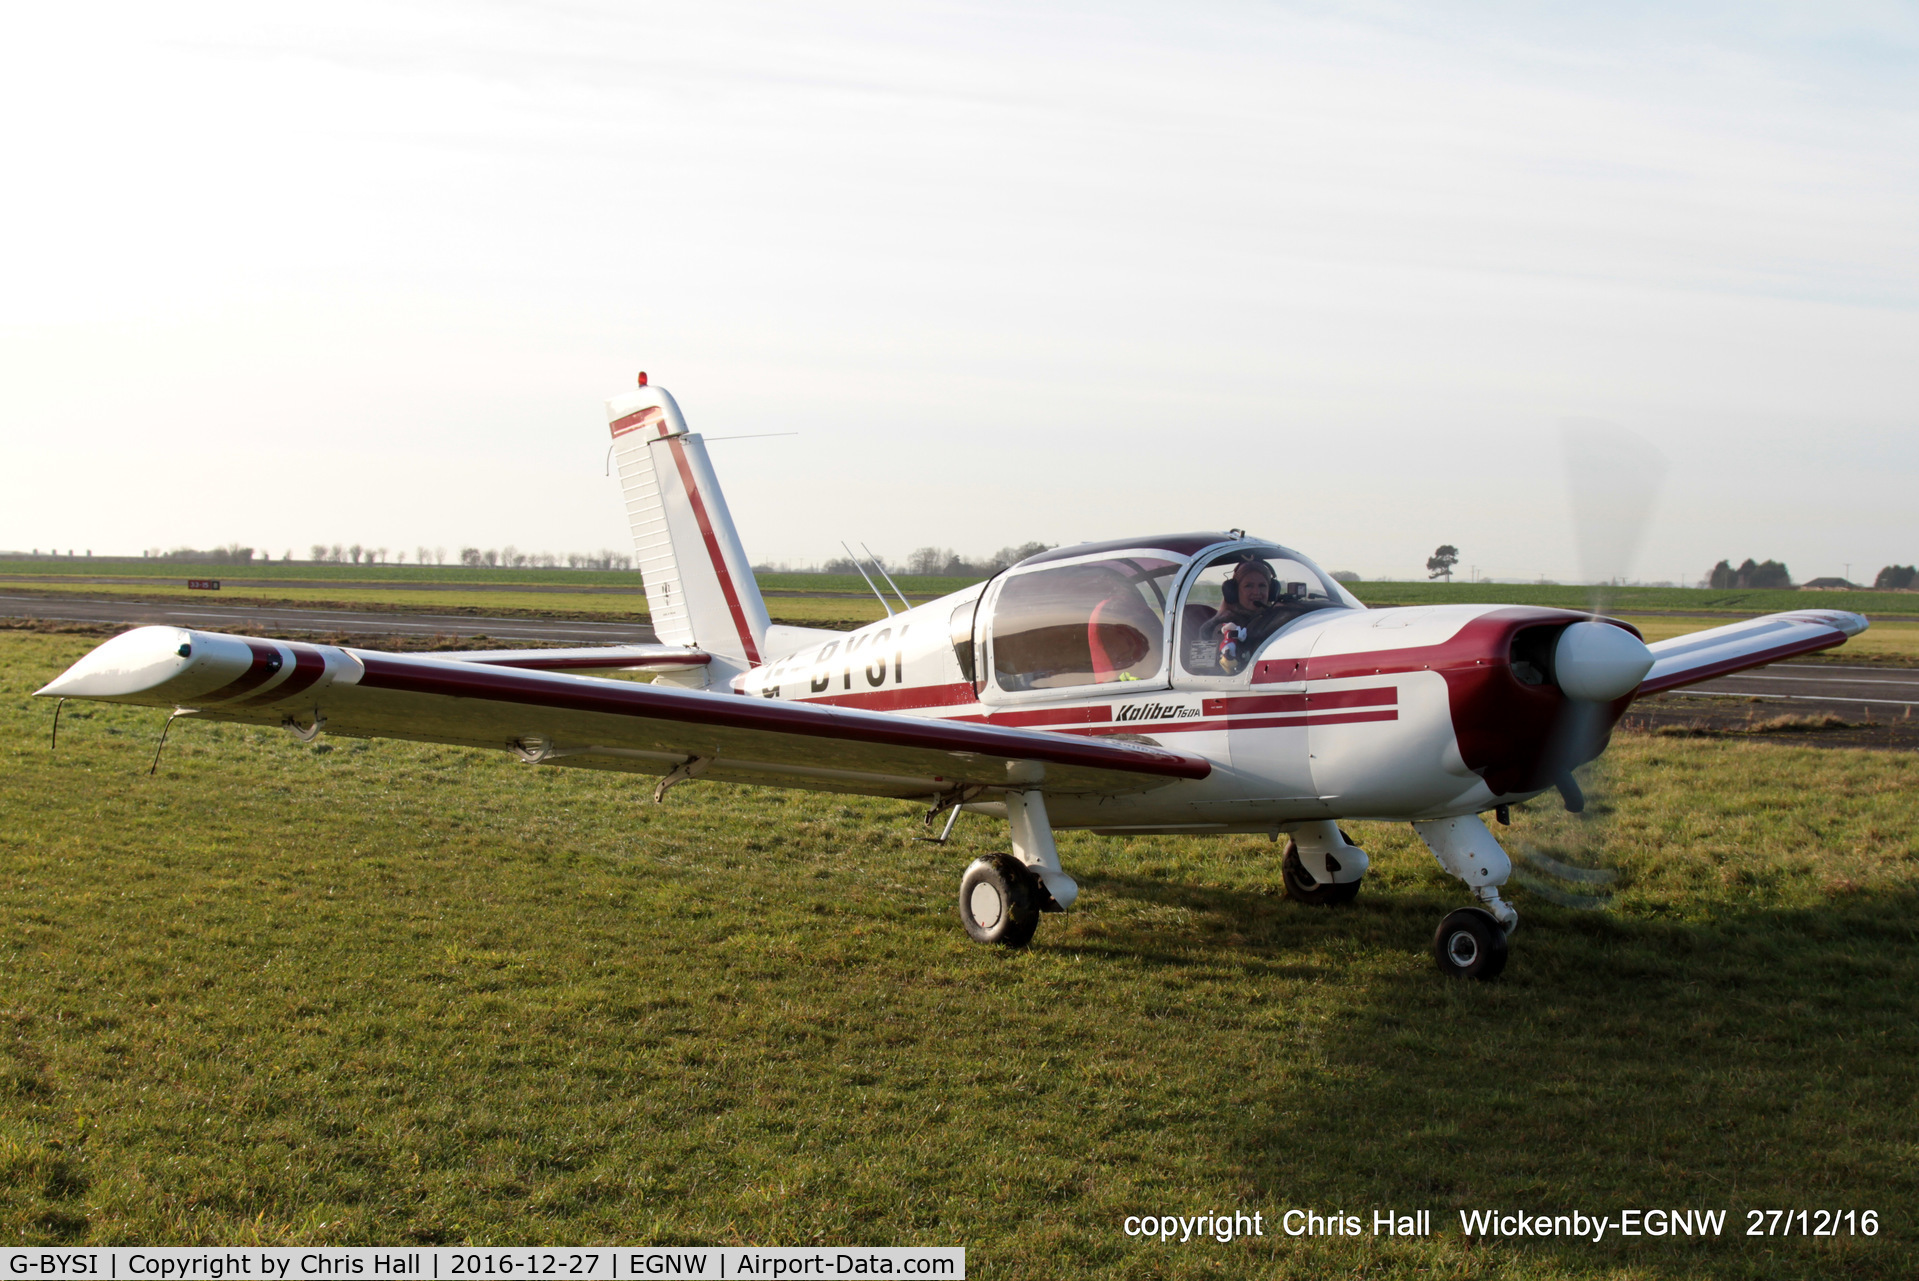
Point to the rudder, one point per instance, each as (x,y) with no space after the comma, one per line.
(700,587)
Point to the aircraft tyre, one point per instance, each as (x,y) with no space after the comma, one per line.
(1302,888)
(999,901)
(1470,945)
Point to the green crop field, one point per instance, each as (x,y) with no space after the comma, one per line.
(385,993)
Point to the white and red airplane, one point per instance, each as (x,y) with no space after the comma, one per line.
(1205,682)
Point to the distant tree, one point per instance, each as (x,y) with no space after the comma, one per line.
(1764,574)
(491,557)
(1440,563)
(1345,576)
(470,556)
(1896,578)
(1750,574)
(1006,557)
(928,560)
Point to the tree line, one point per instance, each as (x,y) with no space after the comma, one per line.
(1769,573)
(945,562)
(1772,573)
(508,557)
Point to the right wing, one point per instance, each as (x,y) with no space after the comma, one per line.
(1754,642)
(552,717)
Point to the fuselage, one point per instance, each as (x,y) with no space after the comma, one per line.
(1339,712)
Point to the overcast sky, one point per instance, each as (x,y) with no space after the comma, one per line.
(365,273)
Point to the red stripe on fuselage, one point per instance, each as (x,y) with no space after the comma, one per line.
(713,550)
(1098,713)
(899,700)
(1376,696)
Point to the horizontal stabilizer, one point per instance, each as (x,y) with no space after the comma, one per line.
(621,658)
(1753,642)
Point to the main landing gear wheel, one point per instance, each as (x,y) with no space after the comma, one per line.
(1470,945)
(999,901)
(1302,888)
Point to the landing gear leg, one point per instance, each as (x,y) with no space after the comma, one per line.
(1322,866)
(1033,846)
(1471,943)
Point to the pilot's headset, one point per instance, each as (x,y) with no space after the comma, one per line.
(1229,590)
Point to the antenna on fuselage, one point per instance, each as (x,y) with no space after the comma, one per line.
(881,566)
(869,581)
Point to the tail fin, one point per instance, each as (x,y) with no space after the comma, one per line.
(699,586)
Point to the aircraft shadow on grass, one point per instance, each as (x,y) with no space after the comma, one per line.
(1759,1060)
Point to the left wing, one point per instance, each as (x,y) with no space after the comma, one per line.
(553,717)
(1720,651)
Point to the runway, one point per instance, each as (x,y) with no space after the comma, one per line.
(275,620)
(1821,687)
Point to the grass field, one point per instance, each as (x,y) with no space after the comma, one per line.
(383,993)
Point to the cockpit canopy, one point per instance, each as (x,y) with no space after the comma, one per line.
(1111,612)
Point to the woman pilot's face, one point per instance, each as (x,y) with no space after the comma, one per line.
(1255,591)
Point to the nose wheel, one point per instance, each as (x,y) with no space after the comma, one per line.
(1469,944)
(999,901)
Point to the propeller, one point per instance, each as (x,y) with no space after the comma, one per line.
(1613,477)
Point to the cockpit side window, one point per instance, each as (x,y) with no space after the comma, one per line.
(1240,599)
(962,631)
(1087,624)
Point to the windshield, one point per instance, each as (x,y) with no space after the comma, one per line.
(1241,598)
(1087,624)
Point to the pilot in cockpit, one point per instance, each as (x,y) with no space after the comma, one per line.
(1246,613)
(1255,599)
